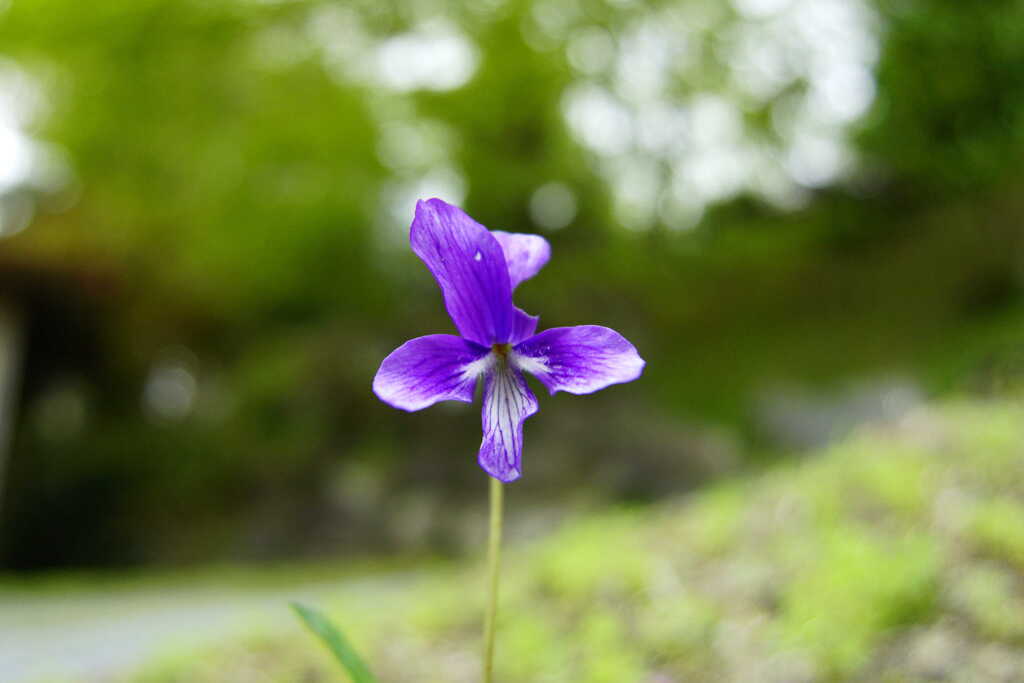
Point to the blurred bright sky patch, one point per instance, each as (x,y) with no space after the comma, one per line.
(667,139)
(27,166)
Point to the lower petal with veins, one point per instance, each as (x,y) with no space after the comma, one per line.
(508,401)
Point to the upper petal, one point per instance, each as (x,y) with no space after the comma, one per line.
(507,403)
(425,370)
(580,359)
(469,265)
(524,254)
(523,326)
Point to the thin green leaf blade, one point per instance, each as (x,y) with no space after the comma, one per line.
(329,634)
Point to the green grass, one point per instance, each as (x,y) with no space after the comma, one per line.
(843,565)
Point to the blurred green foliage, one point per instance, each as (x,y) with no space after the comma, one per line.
(998,526)
(233,220)
(859,587)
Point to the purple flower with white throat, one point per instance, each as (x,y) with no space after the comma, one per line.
(477,270)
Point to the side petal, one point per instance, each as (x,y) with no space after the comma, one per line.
(523,326)
(524,254)
(580,359)
(469,266)
(507,403)
(425,370)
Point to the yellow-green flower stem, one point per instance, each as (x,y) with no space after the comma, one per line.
(493,569)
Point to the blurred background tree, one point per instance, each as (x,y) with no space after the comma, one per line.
(203,209)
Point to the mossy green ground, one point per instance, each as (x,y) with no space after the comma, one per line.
(897,555)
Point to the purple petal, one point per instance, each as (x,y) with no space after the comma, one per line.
(580,359)
(524,254)
(507,403)
(425,370)
(523,326)
(470,268)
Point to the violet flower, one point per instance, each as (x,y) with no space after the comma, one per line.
(477,271)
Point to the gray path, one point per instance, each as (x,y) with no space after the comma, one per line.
(85,635)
